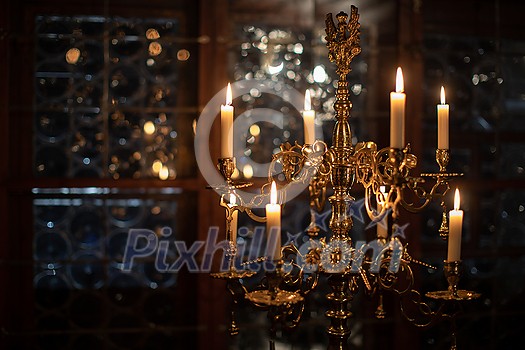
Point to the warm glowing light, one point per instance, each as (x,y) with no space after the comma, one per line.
(72,55)
(382,189)
(319,74)
(164,173)
(152,34)
(154,48)
(247,171)
(183,55)
(229,95)
(149,128)
(273,193)
(157,165)
(400,85)
(233,199)
(442,95)
(275,69)
(307,101)
(255,130)
(456,200)
(235,174)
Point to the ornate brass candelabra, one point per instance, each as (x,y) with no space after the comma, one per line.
(348,266)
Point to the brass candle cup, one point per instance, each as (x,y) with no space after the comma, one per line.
(226,167)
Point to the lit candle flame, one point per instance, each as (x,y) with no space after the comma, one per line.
(233,199)
(307,101)
(442,95)
(400,86)
(229,95)
(456,200)
(273,194)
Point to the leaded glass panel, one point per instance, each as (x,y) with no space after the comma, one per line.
(108,100)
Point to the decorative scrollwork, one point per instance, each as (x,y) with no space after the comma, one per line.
(301,163)
(301,271)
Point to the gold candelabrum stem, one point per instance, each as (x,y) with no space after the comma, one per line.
(231,237)
(452,271)
(343,45)
(442,158)
(274,278)
(226,167)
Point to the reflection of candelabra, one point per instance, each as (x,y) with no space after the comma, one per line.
(388,185)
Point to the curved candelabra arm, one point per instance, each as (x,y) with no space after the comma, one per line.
(383,202)
(301,162)
(400,282)
(310,163)
(291,159)
(381,167)
(419,313)
(255,201)
(300,278)
(365,159)
(413,308)
(254,216)
(385,167)
(437,192)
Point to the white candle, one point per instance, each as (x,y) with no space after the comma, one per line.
(227,125)
(454,232)
(233,224)
(382,226)
(442,114)
(273,221)
(397,113)
(309,120)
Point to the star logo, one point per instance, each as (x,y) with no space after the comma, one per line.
(356,210)
(383,222)
(399,231)
(292,239)
(320,220)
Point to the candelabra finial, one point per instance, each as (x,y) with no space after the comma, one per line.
(343,41)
